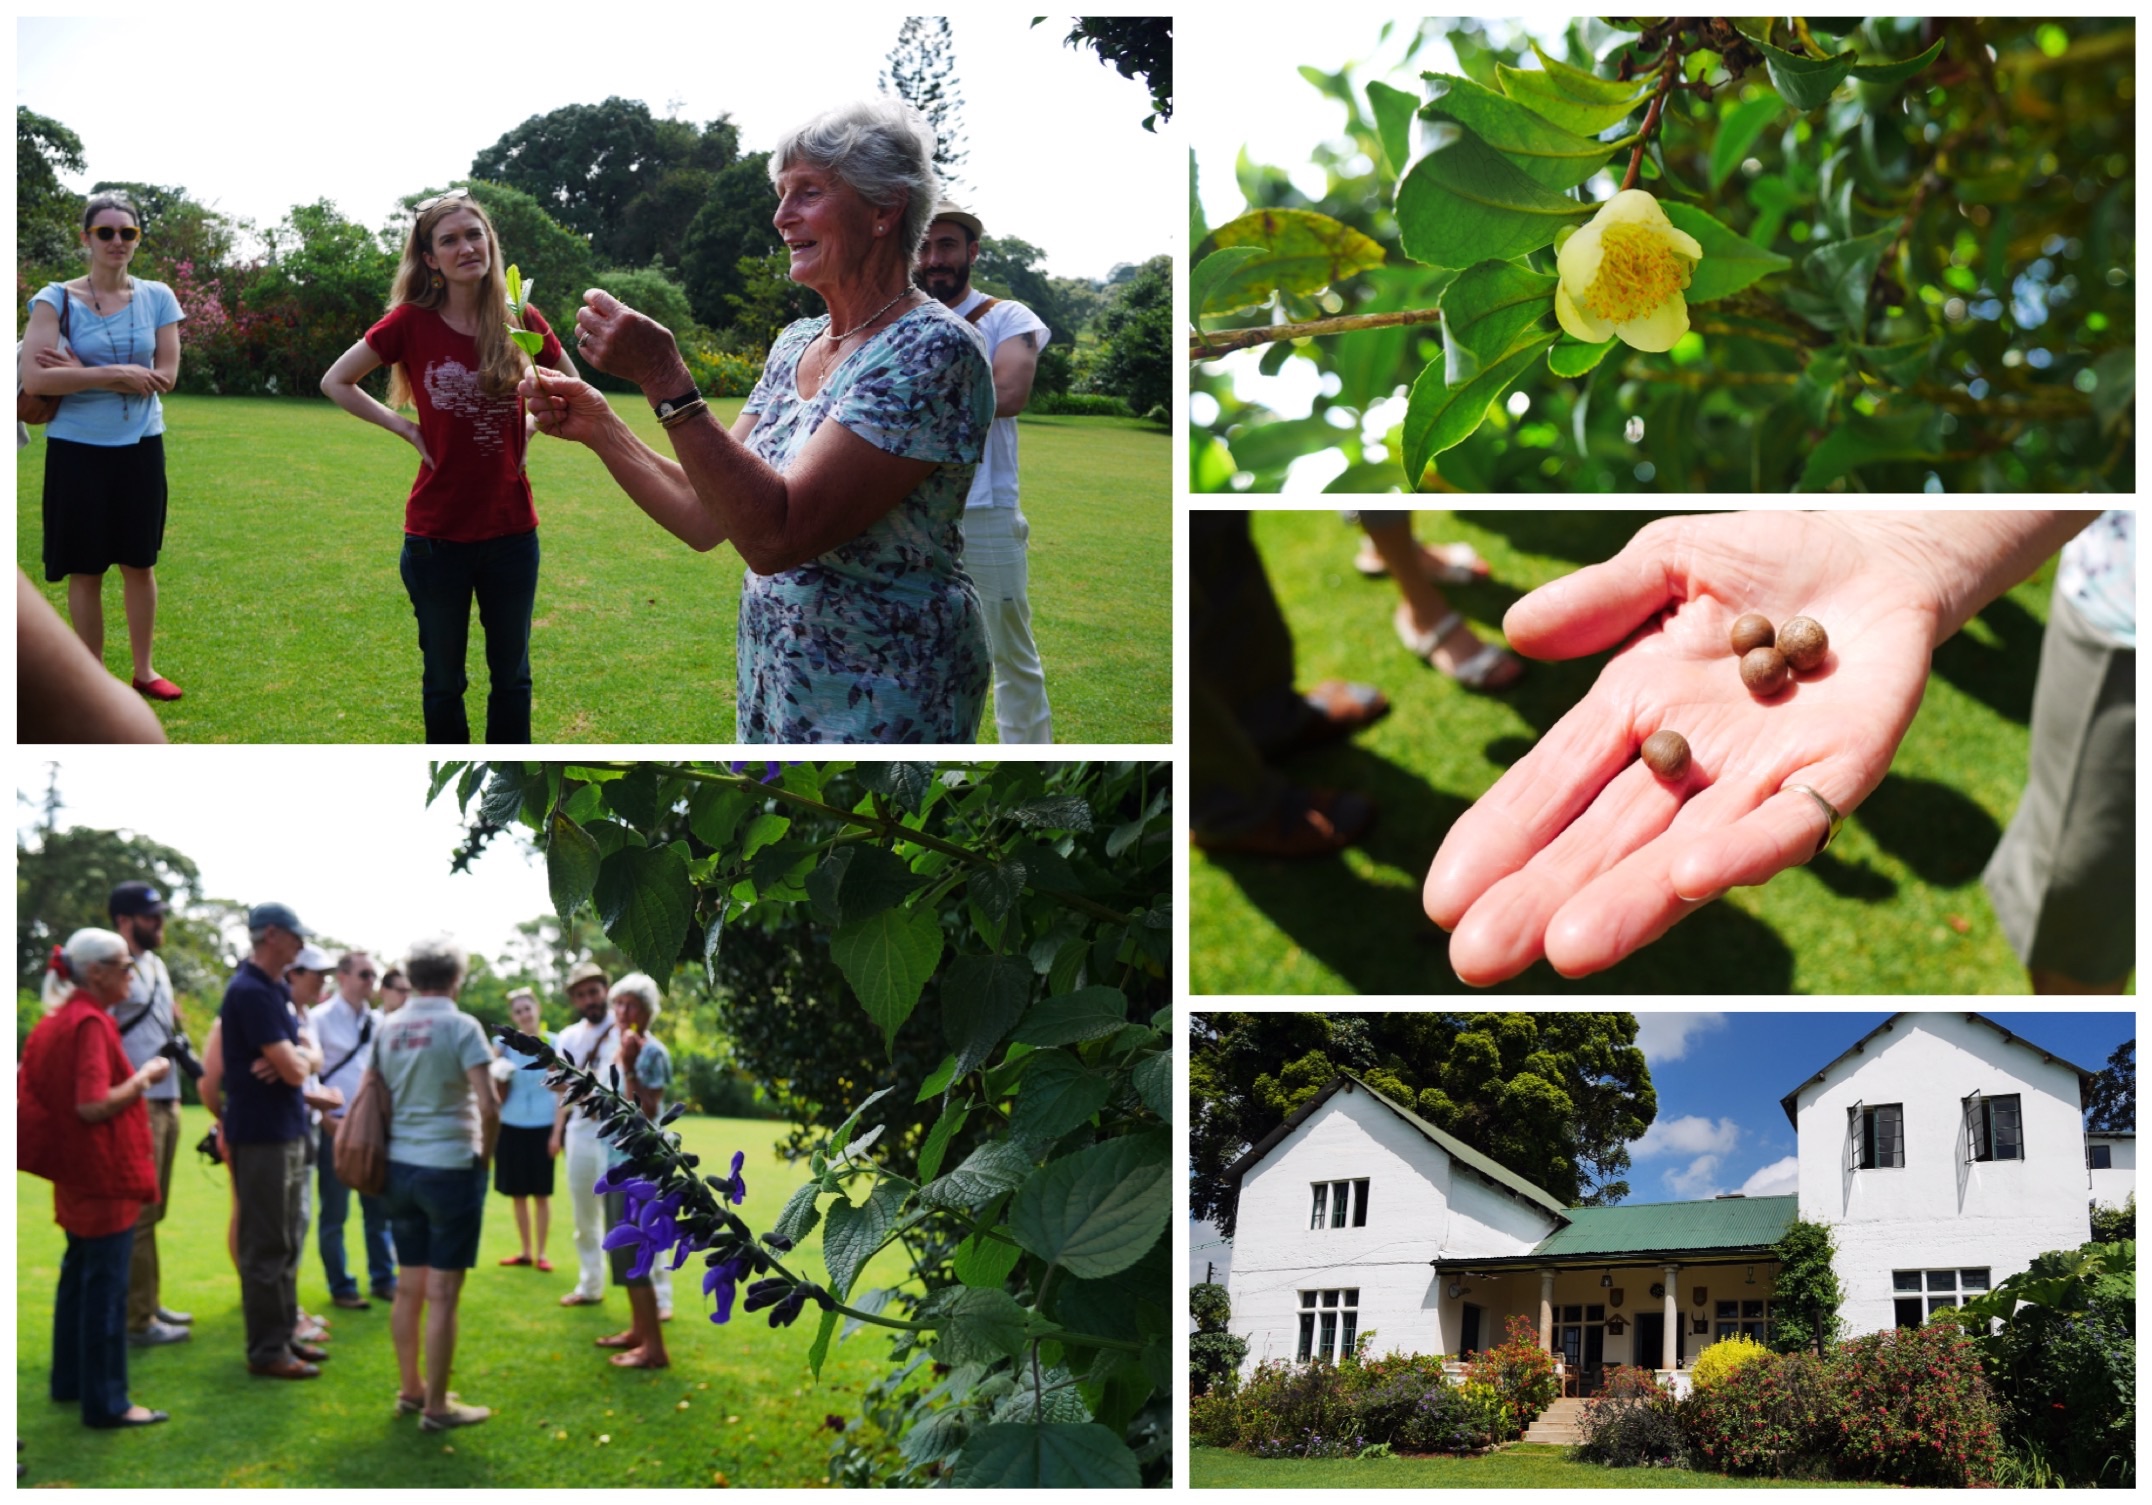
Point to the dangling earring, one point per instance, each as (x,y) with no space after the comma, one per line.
(437,281)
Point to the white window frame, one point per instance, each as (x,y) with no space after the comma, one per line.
(1329,1323)
(1864,1136)
(1337,1204)
(1982,1111)
(1938,1289)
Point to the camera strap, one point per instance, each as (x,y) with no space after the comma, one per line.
(366,1034)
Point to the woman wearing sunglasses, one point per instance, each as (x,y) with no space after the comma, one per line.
(470,530)
(107,344)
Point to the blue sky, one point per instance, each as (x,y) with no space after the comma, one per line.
(1720,1077)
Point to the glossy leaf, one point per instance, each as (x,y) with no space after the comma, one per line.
(1098,1211)
(1897,73)
(1438,416)
(1739,131)
(1485,311)
(1198,231)
(1215,268)
(1303,252)
(1542,150)
(1901,364)
(887,959)
(904,785)
(1730,263)
(571,865)
(1464,202)
(1805,83)
(1846,269)
(1570,357)
(1861,440)
(1049,1455)
(995,887)
(645,901)
(1393,110)
(1571,99)
(981,998)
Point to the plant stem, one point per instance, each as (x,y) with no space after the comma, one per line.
(1203,347)
(1667,73)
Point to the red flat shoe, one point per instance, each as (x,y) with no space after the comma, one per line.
(159,688)
(544,1266)
(517,1259)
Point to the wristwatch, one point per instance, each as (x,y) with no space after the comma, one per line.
(672,405)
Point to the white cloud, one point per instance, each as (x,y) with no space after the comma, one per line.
(1665,1037)
(1781,1178)
(1700,1178)
(1688,1135)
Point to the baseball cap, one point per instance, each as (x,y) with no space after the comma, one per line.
(279,915)
(312,957)
(135,898)
(964,217)
(584,971)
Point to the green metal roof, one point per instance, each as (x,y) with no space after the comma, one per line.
(1659,1227)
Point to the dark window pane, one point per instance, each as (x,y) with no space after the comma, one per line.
(1595,1314)
(1352,1296)
(1908,1312)
(1973,1280)
(1322,1200)
(2103,1157)
(1905,1280)
(1942,1280)
(1938,1303)
(1352,1326)
(2009,1135)
(1752,1308)
(1337,1204)
(1326,1346)
(1727,1309)
(1359,1204)
(1307,1298)
(1330,1298)
(1572,1314)
(1307,1336)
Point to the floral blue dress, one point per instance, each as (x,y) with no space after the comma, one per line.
(881,639)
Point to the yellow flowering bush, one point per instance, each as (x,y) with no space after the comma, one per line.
(1722,1358)
(1624,273)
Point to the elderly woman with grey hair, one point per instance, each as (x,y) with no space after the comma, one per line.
(645,1072)
(842,482)
(443,1120)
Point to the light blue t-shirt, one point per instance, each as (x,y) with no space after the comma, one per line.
(528,1103)
(653,1068)
(127,337)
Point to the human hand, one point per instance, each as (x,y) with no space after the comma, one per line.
(135,381)
(631,1048)
(632,346)
(326,1098)
(1578,853)
(262,1071)
(552,1144)
(565,407)
(53,358)
(410,434)
(155,1070)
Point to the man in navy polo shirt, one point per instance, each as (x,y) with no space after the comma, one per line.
(266,1065)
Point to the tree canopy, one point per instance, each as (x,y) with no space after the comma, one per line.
(921,70)
(1136,360)
(2111,1106)
(1135,47)
(45,223)
(1555,1097)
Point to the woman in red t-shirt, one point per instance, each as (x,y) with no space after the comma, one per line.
(469,527)
(81,1125)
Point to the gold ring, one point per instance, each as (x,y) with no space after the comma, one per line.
(1832,820)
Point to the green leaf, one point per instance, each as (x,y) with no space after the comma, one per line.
(874,880)
(1050,1455)
(938,1080)
(2116,372)
(1098,1211)
(1896,73)
(1901,364)
(937,1141)
(979,1326)
(1464,202)
(1055,812)
(1730,263)
(1805,82)
(1846,269)
(1542,150)
(710,939)
(1738,132)
(1215,268)
(1059,1093)
(713,813)
(1304,252)
(888,958)
(853,1232)
(1154,1083)
(981,997)
(799,1217)
(762,830)
(528,341)
(571,865)
(503,800)
(996,1167)
(819,1349)
(1569,97)
(442,773)
(1485,311)
(1571,357)
(1439,417)
(996,886)
(645,902)
(984,1262)
(1393,110)
(905,785)
(634,796)
(1197,229)
(1860,440)
(1086,1014)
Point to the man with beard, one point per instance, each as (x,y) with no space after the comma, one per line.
(147,1020)
(594,1044)
(995,530)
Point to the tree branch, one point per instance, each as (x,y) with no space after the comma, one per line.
(1204,347)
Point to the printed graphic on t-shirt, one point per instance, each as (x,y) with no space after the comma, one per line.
(452,387)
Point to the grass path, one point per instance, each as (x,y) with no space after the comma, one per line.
(283,616)
(1524,1465)
(738,1406)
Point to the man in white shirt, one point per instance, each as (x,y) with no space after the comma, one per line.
(146,1021)
(344,1027)
(995,529)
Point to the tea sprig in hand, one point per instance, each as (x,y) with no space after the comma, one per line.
(518,295)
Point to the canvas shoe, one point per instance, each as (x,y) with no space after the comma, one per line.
(158,1333)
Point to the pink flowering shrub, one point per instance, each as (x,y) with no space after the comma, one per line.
(1770,1416)
(1912,1407)
(1519,1370)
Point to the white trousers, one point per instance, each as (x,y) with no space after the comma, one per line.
(586,1157)
(994,539)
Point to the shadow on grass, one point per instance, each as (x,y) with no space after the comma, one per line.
(1934,829)
(1375,936)
(1999,677)
(1581,537)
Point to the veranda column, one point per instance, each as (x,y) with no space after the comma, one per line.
(1546,1308)
(1673,1315)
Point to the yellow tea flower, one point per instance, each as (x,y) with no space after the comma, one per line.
(1623,274)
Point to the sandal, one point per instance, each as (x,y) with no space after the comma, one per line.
(1488,668)
(1303,823)
(617,1340)
(1444,564)
(406,1404)
(1335,709)
(457,1415)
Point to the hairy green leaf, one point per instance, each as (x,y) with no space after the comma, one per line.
(1730,263)
(1059,1093)
(1098,1211)
(937,1141)
(984,1262)
(1304,252)
(1439,417)
(852,1232)
(645,902)
(979,1326)
(981,997)
(996,1167)
(1049,1455)
(571,865)
(1464,202)
(887,958)
(763,830)
(1543,151)
(996,886)
(1738,132)
(1486,310)
(1154,1083)
(824,882)
(818,1350)
(873,881)
(1916,434)
(634,796)
(1086,1014)
(799,1216)
(904,784)
(713,813)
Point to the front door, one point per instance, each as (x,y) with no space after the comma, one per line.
(1651,1335)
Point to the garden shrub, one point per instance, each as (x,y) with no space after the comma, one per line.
(1771,1416)
(1912,1407)
(1520,1371)
(720,373)
(1446,1420)
(1078,405)
(1722,1358)
(1486,1412)
(1632,1423)
(1305,1411)
(1214,1355)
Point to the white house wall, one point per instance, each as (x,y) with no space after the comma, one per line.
(1938,1212)
(2115,1185)
(1417,1210)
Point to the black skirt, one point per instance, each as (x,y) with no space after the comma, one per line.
(521,1167)
(104,505)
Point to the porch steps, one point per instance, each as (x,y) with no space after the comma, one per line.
(1557,1424)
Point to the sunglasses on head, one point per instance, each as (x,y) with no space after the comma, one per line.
(444,198)
(128,234)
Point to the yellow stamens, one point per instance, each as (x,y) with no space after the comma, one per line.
(1638,271)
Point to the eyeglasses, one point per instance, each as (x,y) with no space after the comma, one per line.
(444,198)
(128,234)
(396,987)
(366,976)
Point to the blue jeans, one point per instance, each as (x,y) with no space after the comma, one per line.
(441,578)
(89,1327)
(335,1212)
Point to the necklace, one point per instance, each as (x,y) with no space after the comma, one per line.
(126,400)
(836,338)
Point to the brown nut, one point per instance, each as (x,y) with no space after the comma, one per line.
(1666,754)
(1753,630)
(1763,670)
(1804,642)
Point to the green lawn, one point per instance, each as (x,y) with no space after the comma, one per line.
(737,1406)
(283,617)
(1524,1465)
(1894,906)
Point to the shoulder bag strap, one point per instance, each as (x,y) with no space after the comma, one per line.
(591,1060)
(366,1033)
(980,312)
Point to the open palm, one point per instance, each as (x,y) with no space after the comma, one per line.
(1578,853)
